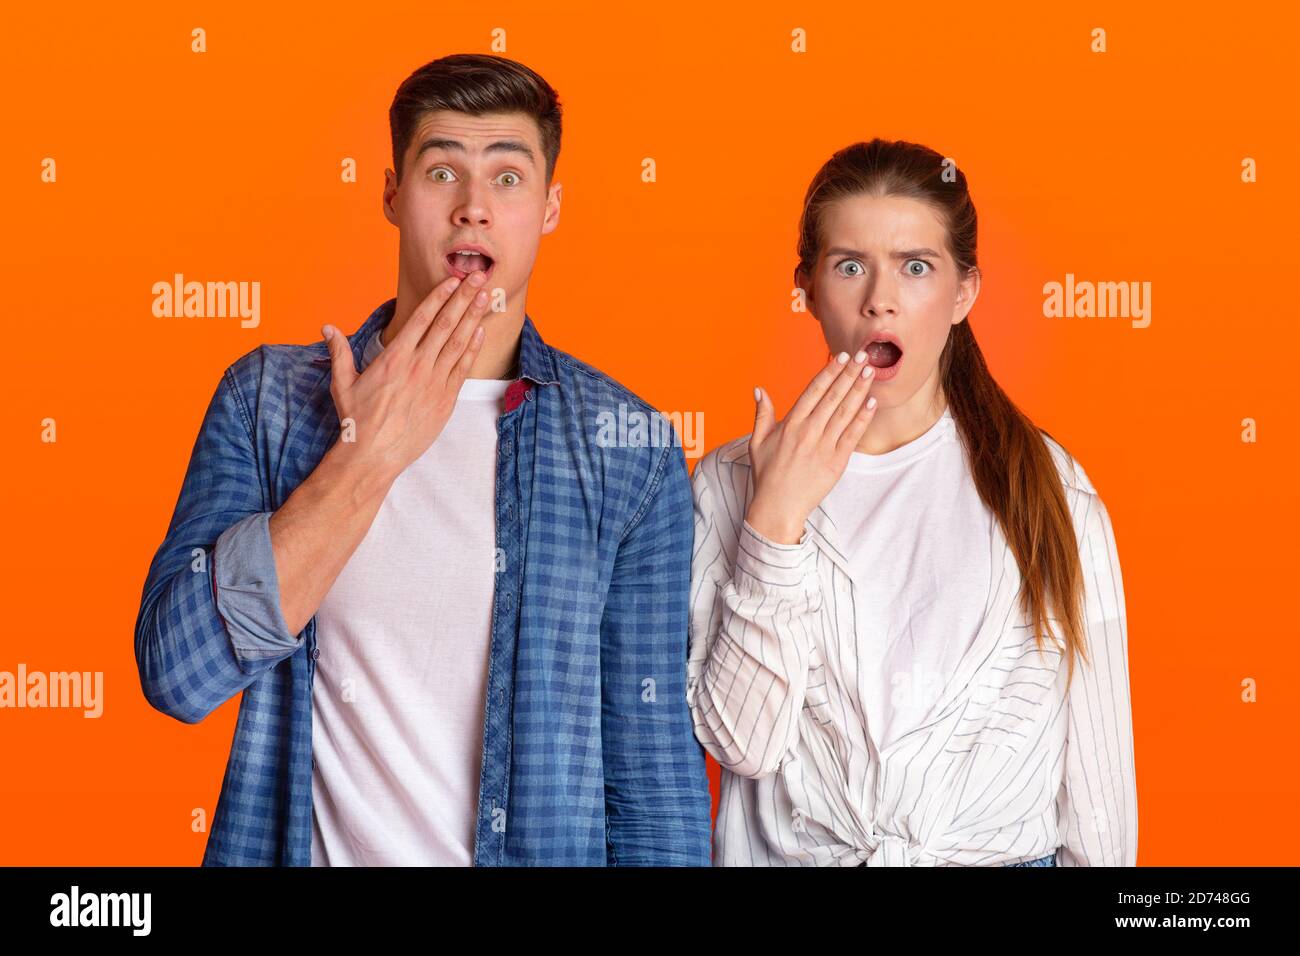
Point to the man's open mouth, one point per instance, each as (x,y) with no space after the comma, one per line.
(464,261)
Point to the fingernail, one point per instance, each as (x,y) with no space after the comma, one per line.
(758,397)
(871,402)
(859,357)
(326,331)
(842,357)
(477,278)
(866,372)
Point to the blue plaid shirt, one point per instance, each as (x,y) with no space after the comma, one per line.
(589,756)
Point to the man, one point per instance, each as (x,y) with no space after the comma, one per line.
(459,620)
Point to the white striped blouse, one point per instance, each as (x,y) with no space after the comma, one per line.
(1004,768)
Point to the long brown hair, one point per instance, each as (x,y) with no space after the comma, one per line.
(1012,466)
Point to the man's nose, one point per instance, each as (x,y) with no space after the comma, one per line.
(473,208)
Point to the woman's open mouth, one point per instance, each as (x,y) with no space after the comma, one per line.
(885,355)
(462,263)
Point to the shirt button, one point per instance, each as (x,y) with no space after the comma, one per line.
(315,653)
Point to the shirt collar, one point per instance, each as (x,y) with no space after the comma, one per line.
(536,363)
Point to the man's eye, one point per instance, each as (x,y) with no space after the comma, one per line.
(918,262)
(433,173)
(849,262)
(514,177)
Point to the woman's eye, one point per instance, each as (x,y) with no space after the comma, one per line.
(926,267)
(849,262)
(513,176)
(433,173)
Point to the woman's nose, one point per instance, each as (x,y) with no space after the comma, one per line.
(880,298)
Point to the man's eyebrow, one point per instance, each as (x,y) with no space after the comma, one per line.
(500,146)
(901,254)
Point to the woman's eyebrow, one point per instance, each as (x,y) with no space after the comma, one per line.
(901,254)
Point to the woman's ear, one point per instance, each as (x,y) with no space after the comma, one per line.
(968,291)
(803,283)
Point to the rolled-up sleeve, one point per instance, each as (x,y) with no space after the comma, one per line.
(247,591)
(204,633)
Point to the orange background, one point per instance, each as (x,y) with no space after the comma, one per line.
(1122,166)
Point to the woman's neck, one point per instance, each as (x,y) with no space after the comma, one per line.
(894,427)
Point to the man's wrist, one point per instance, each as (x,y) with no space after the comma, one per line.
(365,480)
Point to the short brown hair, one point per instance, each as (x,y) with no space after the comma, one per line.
(474,83)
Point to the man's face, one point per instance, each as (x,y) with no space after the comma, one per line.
(473,181)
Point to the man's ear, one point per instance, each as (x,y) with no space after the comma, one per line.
(552,217)
(968,291)
(390,192)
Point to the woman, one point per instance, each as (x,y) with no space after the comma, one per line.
(875,575)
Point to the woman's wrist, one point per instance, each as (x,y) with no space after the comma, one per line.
(774,524)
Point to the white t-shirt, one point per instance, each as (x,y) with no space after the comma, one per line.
(916,535)
(404,635)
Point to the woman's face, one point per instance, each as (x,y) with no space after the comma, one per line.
(884,271)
